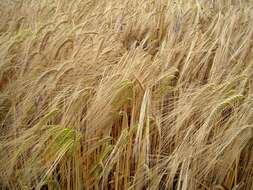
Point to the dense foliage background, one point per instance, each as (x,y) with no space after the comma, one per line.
(126,94)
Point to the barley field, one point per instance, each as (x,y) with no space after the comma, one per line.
(126,95)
